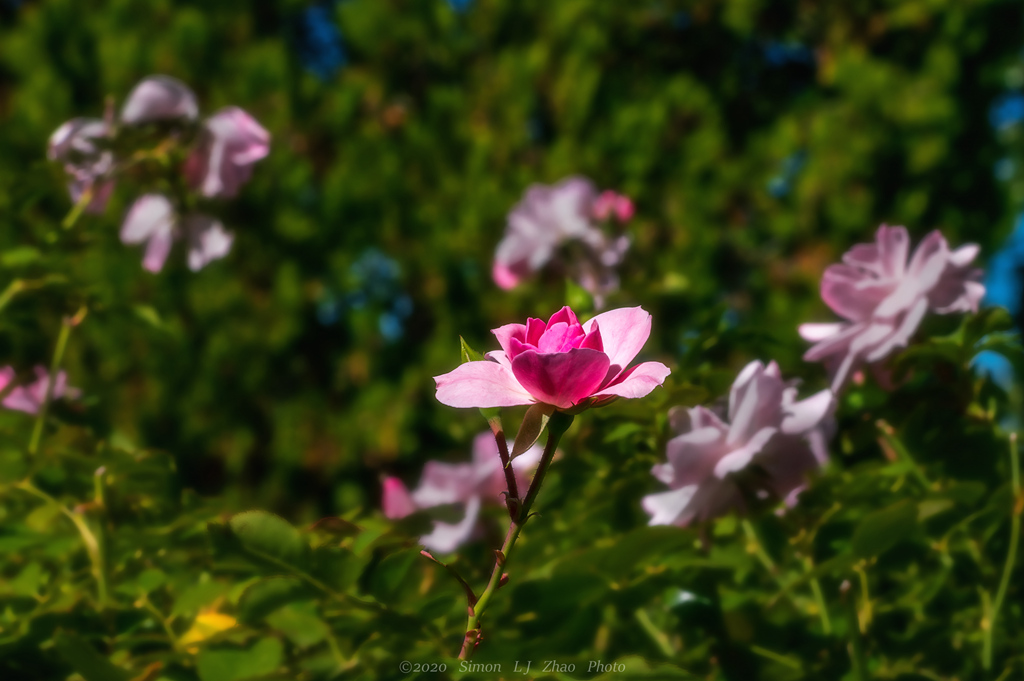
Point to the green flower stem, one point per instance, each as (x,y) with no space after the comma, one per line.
(889,435)
(1011,555)
(58,357)
(557,426)
(819,599)
(857,656)
(76,211)
(92,544)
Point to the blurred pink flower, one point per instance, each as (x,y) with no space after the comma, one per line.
(29,398)
(159,98)
(610,204)
(561,363)
(79,145)
(884,298)
(548,217)
(767,428)
(153,221)
(230,143)
(470,484)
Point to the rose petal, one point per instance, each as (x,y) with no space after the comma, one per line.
(159,98)
(637,381)
(807,413)
(561,379)
(666,507)
(623,332)
(446,537)
(481,384)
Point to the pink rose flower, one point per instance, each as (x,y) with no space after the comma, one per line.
(29,398)
(561,363)
(78,145)
(230,143)
(159,98)
(153,221)
(548,217)
(772,438)
(884,297)
(469,484)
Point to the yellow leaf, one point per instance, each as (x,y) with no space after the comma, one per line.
(207,625)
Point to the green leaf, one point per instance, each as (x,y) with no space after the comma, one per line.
(86,660)
(300,624)
(235,665)
(534,421)
(880,531)
(389,575)
(468,353)
(263,538)
(19,256)
(265,596)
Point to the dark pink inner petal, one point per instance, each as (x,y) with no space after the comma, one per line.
(560,337)
(565,315)
(593,339)
(562,379)
(534,330)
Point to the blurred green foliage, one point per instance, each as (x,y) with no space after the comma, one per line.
(758,140)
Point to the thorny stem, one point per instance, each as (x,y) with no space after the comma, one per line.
(58,357)
(557,426)
(512,498)
(1011,556)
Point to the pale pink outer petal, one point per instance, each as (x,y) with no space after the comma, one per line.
(901,335)
(447,537)
(481,384)
(504,277)
(819,332)
(637,381)
(808,413)
(159,98)
(739,457)
(233,142)
(851,293)
(395,499)
(151,220)
(893,247)
(665,508)
(445,483)
(623,332)
(562,379)
(20,399)
(7,374)
(207,240)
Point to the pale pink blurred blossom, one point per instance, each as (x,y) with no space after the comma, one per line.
(550,218)
(152,220)
(470,485)
(159,98)
(79,146)
(768,435)
(230,143)
(29,398)
(561,363)
(883,297)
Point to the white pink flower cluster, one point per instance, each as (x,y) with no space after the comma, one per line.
(468,485)
(768,441)
(219,162)
(564,216)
